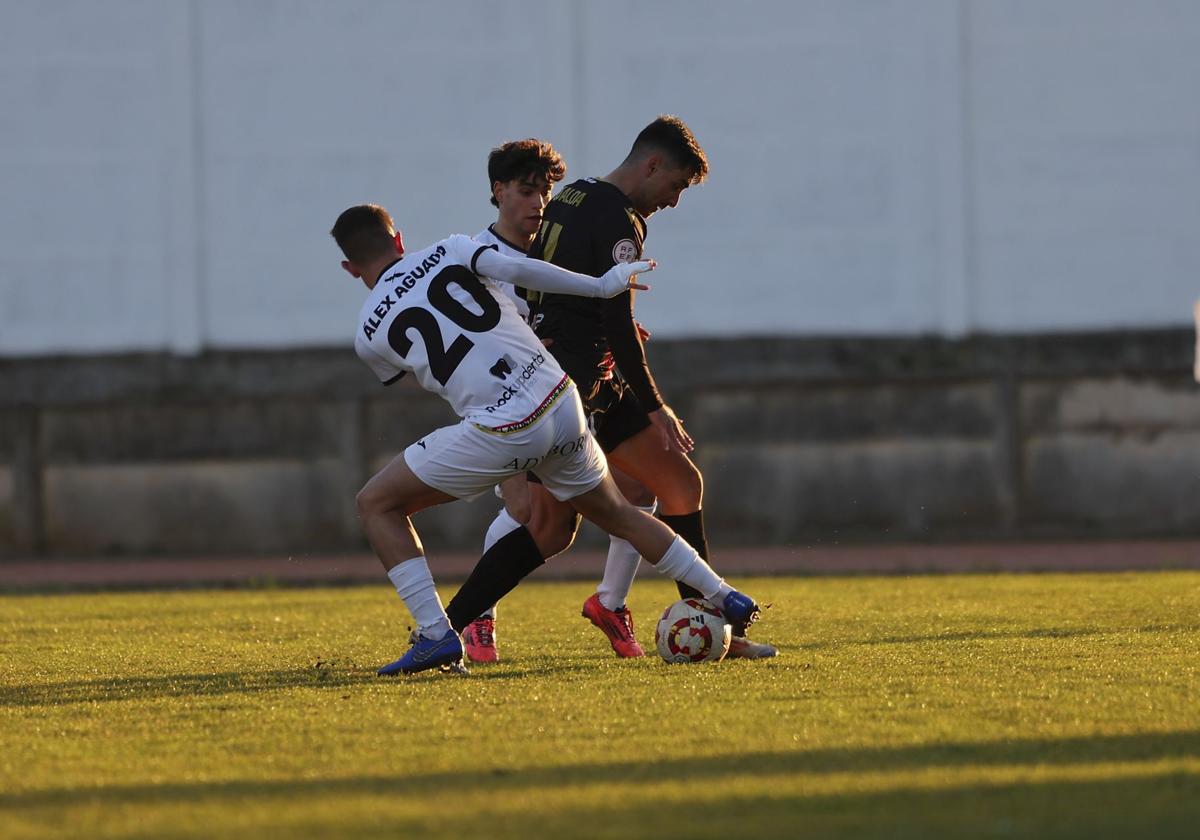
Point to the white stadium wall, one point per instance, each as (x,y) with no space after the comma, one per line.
(169,169)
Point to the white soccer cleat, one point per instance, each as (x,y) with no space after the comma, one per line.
(742,648)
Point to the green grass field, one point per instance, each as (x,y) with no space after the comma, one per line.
(974,706)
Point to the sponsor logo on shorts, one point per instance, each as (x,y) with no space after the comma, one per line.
(570,447)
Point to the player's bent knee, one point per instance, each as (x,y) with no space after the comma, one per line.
(554,536)
(685,490)
(552,527)
(365,502)
(520,511)
(372,501)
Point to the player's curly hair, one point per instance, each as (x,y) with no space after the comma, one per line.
(364,232)
(521,159)
(670,135)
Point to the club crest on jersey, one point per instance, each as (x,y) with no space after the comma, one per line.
(624,251)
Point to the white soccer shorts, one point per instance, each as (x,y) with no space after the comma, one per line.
(466,461)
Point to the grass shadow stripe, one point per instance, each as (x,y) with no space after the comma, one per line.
(1136,748)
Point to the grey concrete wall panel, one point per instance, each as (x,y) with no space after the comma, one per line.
(1135,405)
(1114,484)
(306,428)
(196,507)
(886,489)
(849,411)
(800,440)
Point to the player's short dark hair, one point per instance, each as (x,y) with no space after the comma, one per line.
(520,159)
(671,136)
(364,233)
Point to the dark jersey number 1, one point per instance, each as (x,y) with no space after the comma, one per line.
(443,360)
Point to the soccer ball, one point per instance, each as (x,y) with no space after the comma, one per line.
(692,630)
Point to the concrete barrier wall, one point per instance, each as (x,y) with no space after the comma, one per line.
(801,442)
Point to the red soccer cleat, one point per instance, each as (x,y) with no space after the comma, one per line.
(479,640)
(617,625)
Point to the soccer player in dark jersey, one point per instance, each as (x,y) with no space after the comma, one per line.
(589,226)
(521,174)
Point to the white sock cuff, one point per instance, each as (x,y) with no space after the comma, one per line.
(410,575)
(684,564)
(504,519)
(501,527)
(677,560)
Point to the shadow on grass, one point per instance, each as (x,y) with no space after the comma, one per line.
(701,771)
(321,675)
(177,685)
(988,635)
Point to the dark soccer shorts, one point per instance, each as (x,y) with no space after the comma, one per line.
(615,413)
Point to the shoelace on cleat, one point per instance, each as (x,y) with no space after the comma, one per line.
(626,619)
(484,634)
(757,614)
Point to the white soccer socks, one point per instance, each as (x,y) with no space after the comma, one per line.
(501,527)
(415,586)
(620,569)
(682,563)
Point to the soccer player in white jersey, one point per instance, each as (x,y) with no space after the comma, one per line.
(522,174)
(437,314)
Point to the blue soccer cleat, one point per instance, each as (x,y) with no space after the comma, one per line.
(425,654)
(739,607)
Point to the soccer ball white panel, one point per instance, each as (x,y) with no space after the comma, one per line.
(692,630)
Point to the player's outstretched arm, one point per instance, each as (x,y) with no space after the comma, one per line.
(546,277)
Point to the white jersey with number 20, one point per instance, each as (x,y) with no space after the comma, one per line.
(431,314)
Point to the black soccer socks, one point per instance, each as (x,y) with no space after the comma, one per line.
(497,573)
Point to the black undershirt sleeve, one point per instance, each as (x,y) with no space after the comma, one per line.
(627,350)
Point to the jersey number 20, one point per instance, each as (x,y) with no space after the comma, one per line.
(443,361)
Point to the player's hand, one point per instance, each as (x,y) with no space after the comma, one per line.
(671,429)
(620,278)
(643,333)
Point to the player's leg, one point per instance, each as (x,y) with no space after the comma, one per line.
(515,493)
(479,636)
(579,474)
(676,481)
(461,462)
(606,607)
(635,448)
(670,554)
(621,564)
(516,551)
(384,505)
